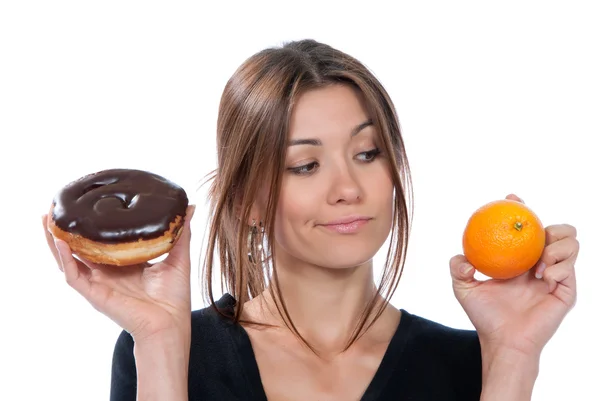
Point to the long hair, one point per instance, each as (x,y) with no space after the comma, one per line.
(252,134)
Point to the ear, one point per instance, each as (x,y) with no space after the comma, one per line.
(255,215)
(258,208)
(256,212)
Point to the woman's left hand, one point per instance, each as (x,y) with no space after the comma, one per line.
(523,313)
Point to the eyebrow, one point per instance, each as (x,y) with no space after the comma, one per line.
(317,142)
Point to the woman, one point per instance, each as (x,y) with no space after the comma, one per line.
(312,177)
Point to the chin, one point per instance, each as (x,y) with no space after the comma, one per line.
(344,258)
(337,252)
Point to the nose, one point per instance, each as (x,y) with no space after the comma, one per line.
(345,187)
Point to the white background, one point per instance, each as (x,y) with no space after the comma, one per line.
(493,97)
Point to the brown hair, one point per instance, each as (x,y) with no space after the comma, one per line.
(252,129)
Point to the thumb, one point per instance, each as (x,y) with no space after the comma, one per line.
(463,275)
(180,253)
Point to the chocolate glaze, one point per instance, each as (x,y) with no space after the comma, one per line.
(119,205)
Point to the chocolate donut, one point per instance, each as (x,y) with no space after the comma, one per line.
(119,216)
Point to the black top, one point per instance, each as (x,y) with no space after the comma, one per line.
(424,361)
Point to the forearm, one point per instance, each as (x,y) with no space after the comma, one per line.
(508,375)
(162,368)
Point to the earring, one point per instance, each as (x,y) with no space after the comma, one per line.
(252,240)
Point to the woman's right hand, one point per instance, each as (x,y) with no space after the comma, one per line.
(147,301)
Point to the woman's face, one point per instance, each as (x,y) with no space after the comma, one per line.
(336,202)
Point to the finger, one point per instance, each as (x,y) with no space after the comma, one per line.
(463,276)
(515,198)
(76,274)
(557,232)
(538,269)
(460,269)
(52,245)
(557,252)
(50,240)
(180,253)
(101,296)
(560,279)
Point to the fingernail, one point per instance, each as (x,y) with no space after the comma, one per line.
(190,212)
(466,269)
(540,270)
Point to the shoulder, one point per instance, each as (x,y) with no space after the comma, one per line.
(449,357)
(430,332)
(214,317)
(212,326)
(448,346)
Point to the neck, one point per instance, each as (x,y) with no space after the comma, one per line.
(325,304)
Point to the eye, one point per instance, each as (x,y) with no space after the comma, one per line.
(305,169)
(369,155)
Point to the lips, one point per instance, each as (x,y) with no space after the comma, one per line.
(347,225)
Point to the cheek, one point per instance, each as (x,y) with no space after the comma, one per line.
(379,185)
(293,209)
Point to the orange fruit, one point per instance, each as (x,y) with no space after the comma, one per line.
(503,239)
